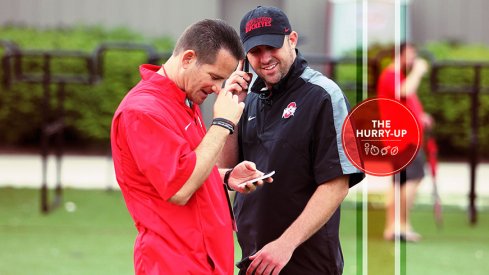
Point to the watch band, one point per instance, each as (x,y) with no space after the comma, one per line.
(226,179)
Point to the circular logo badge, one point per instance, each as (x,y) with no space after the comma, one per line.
(381,136)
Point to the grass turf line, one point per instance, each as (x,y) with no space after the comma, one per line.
(98,238)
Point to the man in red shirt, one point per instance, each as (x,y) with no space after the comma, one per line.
(165,159)
(412,71)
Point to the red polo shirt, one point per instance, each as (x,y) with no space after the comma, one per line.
(153,136)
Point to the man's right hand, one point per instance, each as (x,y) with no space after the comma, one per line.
(420,66)
(228,107)
(238,82)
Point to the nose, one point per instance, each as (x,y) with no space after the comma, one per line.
(265,56)
(216,88)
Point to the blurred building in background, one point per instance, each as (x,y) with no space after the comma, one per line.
(319,22)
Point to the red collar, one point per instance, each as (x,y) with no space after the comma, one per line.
(149,73)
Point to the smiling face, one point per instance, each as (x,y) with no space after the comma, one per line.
(272,64)
(200,79)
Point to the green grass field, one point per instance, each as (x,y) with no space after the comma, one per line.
(97,238)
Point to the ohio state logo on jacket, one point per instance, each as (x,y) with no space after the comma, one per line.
(289,110)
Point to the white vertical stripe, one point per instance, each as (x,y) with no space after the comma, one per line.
(365,95)
(397,187)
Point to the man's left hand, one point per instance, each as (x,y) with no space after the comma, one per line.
(246,171)
(271,259)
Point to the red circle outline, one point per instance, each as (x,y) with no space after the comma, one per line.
(348,117)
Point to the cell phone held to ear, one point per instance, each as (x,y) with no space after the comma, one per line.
(246,69)
(255,180)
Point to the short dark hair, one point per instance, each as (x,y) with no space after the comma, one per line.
(404,45)
(207,37)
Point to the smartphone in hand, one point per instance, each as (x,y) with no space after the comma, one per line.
(266,175)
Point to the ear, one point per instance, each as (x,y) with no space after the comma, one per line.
(188,57)
(293,37)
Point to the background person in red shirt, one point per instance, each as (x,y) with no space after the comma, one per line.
(412,71)
(165,159)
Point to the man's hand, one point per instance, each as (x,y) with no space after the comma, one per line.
(321,206)
(271,259)
(238,82)
(428,121)
(228,107)
(245,171)
(420,66)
